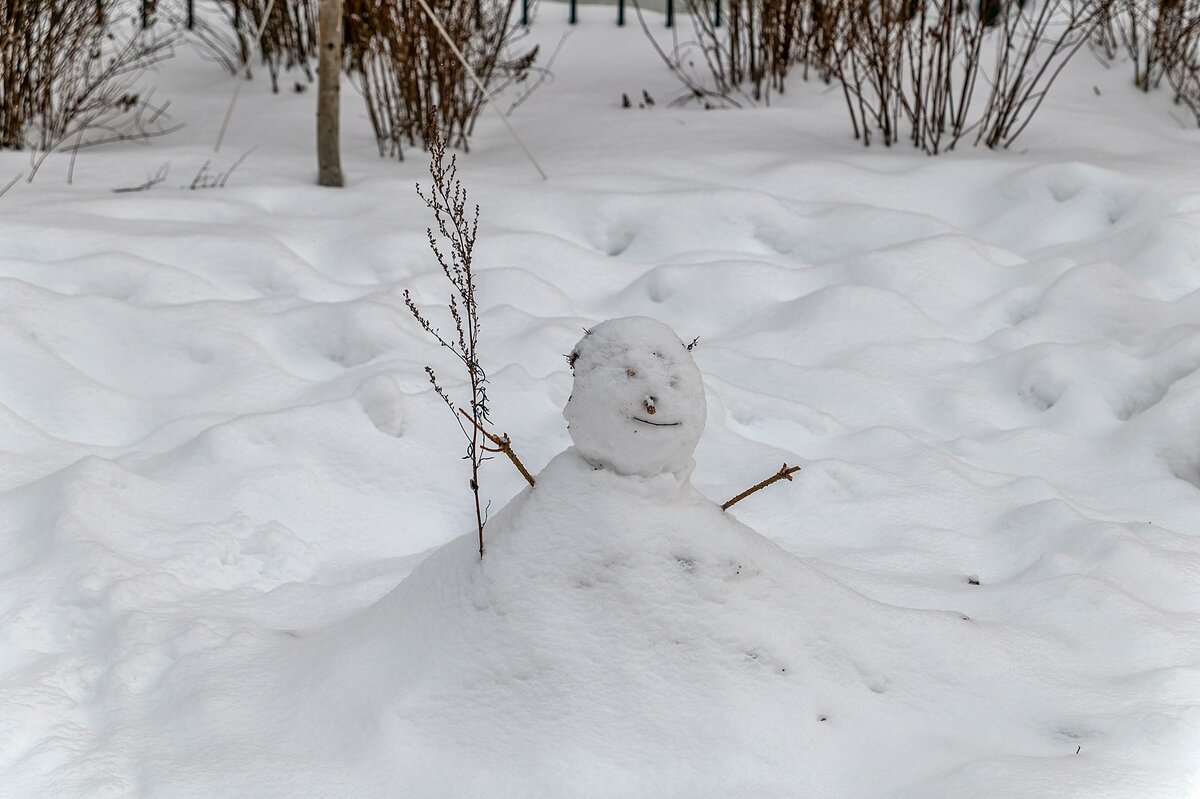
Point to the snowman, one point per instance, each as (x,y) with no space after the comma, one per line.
(637,406)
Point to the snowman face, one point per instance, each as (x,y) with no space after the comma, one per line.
(637,405)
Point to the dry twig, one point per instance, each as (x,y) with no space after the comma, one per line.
(150,183)
(10,184)
(784,473)
(503,444)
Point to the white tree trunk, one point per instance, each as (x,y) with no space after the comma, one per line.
(329,81)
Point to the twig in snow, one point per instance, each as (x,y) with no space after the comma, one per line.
(228,172)
(784,473)
(74,154)
(11,183)
(157,178)
(205,179)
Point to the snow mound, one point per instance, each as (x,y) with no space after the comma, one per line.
(624,636)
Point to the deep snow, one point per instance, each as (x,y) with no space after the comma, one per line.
(224,472)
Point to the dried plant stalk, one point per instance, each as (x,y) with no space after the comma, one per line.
(457,227)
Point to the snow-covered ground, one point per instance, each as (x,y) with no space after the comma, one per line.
(221,461)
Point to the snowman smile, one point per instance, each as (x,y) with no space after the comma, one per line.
(655,424)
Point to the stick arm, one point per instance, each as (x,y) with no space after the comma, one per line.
(785,473)
(503,444)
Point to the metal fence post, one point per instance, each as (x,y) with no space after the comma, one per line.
(525,13)
(574,12)
(620,12)
(191,14)
(716,13)
(670,13)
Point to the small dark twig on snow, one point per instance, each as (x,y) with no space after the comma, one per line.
(158,177)
(11,183)
(784,473)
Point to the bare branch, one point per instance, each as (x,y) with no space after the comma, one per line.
(504,445)
(785,473)
(157,178)
(11,183)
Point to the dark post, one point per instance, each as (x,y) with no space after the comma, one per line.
(716,13)
(525,13)
(620,12)
(478,14)
(145,15)
(670,13)
(574,13)
(191,14)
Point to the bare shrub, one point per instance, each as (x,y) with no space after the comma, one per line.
(410,76)
(942,58)
(1162,40)
(393,52)
(1184,73)
(1155,34)
(217,39)
(922,62)
(289,34)
(872,38)
(757,42)
(69,72)
(1033,48)
(907,68)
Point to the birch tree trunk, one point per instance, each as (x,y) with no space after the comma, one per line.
(329,80)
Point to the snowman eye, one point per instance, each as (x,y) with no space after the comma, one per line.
(630,373)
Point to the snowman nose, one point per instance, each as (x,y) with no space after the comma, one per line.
(649,402)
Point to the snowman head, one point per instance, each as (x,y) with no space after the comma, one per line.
(637,405)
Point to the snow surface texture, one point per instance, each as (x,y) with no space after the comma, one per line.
(637,403)
(221,459)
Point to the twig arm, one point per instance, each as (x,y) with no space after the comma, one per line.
(784,473)
(503,444)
